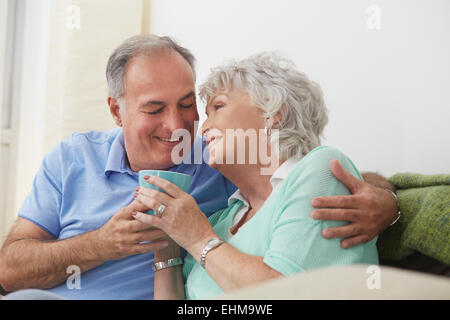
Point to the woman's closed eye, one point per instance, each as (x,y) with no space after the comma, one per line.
(214,107)
(218,106)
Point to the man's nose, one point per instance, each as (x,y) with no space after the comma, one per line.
(174,121)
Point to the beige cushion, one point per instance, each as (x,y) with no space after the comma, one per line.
(349,282)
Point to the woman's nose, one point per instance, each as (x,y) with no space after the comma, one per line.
(204,128)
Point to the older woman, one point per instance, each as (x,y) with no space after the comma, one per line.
(267,230)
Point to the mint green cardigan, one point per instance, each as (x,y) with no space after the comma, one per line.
(282,231)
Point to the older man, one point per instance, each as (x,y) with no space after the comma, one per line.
(79,215)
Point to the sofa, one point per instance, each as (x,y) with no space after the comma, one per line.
(419,243)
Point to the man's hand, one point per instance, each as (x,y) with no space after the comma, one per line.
(33,258)
(369,210)
(122,235)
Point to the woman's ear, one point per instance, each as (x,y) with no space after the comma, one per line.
(273,121)
(114,108)
(276,118)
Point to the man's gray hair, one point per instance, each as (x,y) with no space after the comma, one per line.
(275,85)
(139,45)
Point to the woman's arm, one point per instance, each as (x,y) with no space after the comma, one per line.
(232,269)
(228,267)
(184,222)
(369,210)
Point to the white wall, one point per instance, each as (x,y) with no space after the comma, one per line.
(29,109)
(23,149)
(387,89)
(4,134)
(61,85)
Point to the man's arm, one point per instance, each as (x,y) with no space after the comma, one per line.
(168,283)
(377,180)
(369,210)
(32,258)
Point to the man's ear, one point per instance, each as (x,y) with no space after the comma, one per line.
(114,108)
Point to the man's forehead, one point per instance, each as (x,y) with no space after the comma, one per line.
(154,62)
(160,79)
(163,100)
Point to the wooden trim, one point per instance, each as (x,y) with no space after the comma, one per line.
(145,17)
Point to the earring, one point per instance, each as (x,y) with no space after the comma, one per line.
(267,131)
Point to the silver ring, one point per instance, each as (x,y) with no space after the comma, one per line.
(161,209)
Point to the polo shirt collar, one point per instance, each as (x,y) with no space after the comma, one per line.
(282,172)
(238,196)
(278,176)
(117,160)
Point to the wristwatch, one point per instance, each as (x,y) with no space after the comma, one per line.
(167,264)
(211,244)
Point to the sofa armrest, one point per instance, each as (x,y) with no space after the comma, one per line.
(419,262)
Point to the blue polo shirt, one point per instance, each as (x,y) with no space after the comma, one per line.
(82,182)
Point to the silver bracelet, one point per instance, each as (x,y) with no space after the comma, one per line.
(398,206)
(167,264)
(211,244)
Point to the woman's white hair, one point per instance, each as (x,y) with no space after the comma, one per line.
(275,85)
